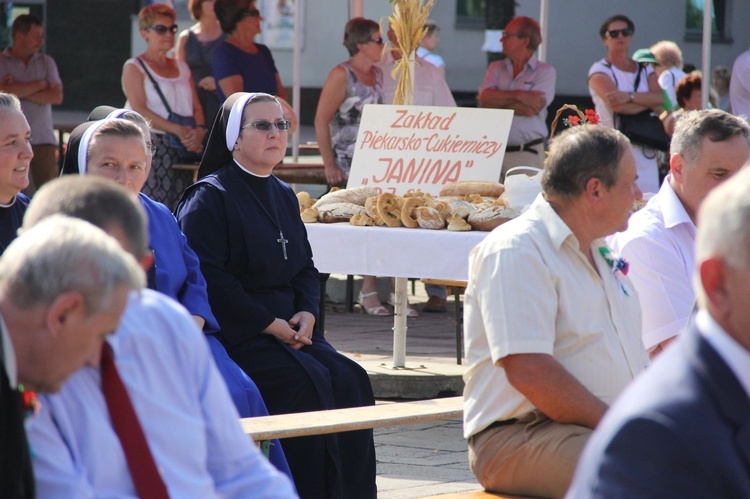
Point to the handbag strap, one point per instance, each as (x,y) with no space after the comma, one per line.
(156,86)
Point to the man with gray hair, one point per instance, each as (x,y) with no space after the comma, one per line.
(552,321)
(707,148)
(683,428)
(527,86)
(63,288)
(189,424)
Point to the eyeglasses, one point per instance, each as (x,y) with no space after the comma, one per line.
(614,33)
(265,126)
(249,13)
(161,30)
(379,41)
(151,148)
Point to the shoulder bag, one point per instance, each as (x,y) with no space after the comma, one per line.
(174,141)
(644,128)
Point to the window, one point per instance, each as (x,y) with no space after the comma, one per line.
(481,14)
(694,21)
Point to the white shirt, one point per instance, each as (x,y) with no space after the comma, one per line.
(734,354)
(178,91)
(668,80)
(430,57)
(182,403)
(536,76)
(430,86)
(739,86)
(660,246)
(531,290)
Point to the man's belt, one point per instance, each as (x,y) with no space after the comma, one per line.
(525,147)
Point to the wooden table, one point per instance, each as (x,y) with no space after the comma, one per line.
(395,252)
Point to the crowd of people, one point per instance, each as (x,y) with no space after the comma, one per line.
(146,335)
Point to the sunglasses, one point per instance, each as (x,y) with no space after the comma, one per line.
(161,30)
(265,126)
(379,41)
(509,35)
(614,33)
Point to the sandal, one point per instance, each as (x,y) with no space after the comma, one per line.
(410,312)
(376,310)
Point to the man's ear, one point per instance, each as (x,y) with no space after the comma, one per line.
(62,310)
(713,277)
(594,189)
(676,167)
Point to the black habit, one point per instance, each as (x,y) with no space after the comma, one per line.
(234,222)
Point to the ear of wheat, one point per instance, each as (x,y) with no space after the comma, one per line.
(407,21)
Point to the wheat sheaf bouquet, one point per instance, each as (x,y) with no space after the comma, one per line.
(407,21)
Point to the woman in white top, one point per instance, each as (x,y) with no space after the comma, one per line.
(612,87)
(158,28)
(669,69)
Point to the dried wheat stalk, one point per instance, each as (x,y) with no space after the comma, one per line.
(407,21)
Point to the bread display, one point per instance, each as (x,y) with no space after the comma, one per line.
(461,206)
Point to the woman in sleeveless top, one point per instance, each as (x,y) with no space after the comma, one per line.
(612,86)
(158,28)
(196,46)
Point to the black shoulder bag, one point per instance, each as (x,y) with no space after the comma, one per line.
(644,128)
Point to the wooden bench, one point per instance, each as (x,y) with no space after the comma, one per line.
(291,173)
(457,287)
(265,428)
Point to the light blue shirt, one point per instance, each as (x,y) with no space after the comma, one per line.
(190,423)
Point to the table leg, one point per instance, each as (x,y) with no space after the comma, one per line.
(399,324)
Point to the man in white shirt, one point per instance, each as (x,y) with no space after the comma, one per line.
(707,148)
(189,422)
(430,89)
(552,323)
(527,86)
(682,429)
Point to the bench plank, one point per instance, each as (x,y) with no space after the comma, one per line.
(355,418)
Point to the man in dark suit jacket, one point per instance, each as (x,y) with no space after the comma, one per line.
(682,429)
(63,287)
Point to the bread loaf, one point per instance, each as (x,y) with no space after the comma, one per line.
(356,195)
(488,189)
(338,212)
(490,217)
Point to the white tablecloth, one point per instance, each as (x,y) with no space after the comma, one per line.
(392,252)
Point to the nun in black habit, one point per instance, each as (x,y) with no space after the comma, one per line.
(263,288)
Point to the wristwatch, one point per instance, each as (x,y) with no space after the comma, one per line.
(632,97)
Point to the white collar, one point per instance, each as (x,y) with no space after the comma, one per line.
(248,171)
(9,355)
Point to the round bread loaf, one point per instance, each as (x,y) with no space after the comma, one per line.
(491,217)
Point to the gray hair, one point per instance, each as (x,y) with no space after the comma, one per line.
(60,255)
(581,153)
(118,127)
(724,225)
(98,201)
(714,124)
(667,53)
(256,98)
(9,101)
